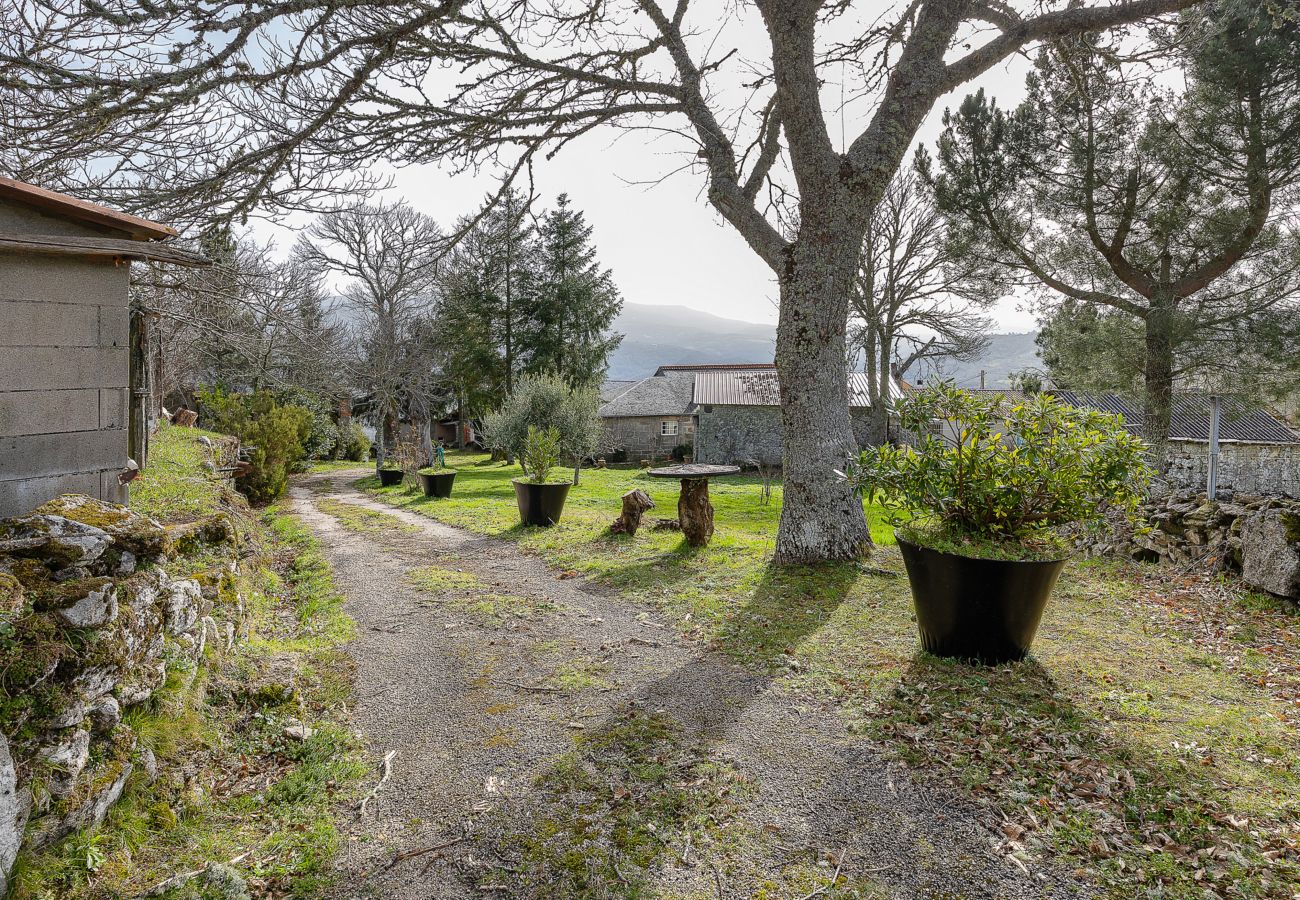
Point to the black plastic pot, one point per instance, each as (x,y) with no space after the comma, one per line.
(390,477)
(540,504)
(437,484)
(981,609)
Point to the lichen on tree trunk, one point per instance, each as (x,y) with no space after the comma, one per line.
(821,517)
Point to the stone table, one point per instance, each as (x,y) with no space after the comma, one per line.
(694,511)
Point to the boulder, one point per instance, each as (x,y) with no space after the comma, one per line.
(68,757)
(58,542)
(182,605)
(88,603)
(1270,552)
(131,532)
(212,531)
(15,806)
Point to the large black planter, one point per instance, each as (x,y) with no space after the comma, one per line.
(390,477)
(437,484)
(981,609)
(540,504)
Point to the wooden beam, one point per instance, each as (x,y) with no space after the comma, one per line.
(61,245)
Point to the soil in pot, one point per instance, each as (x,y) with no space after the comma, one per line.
(390,477)
(437,484)
(540,504)
(981,609)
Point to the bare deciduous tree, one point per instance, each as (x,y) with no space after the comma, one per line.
(287,97)
(916,296)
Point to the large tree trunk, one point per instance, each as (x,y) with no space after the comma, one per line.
(821,518)
(1159,378)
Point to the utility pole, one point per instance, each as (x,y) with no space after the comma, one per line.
(1212,469)
(981,379)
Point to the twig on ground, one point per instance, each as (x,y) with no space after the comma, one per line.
(834,878)
(537,688)
(385,772)
(717,878)
(412,854)
(181,878)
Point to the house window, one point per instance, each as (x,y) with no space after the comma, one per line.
(668,428)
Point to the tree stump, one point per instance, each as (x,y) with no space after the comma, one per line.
(185,418)
(635,503)
(695,512)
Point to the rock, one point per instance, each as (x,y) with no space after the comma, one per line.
(182,605)
(68,758)
(15,807)
(89,814)
(58,542)
(105,715)
(88,603)
(130,532)
(148,764)
(1270,552)
(298,731)
(211,531)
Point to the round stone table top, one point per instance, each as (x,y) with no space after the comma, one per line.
(694,470)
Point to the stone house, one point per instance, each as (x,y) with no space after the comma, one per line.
(1258,452)
(71,403)
(729,413)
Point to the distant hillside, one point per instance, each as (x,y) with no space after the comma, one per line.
(1007,353)
(665,335)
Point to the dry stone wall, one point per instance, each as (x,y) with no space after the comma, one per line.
(1255,535)
(92,624)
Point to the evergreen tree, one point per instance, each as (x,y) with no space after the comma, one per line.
(575,302)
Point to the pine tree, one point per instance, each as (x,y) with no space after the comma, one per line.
(575,302)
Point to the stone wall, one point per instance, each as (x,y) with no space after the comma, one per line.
(93,625)
(1255,468)
(63,369)
(736,434)
(1253,535)
(640,435)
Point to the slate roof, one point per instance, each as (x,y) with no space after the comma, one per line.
(760,387)
(614,387)
(659,395)
(1190,419)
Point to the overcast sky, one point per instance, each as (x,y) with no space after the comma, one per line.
(663,241)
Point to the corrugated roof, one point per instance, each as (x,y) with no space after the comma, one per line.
(762,388)
(714,367)
(659,395)
(1190,418)
(82,210)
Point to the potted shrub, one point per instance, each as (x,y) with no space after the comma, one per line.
(984,506)
(540,501)
(404,461)
(437,480)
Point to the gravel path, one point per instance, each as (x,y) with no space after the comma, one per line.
(477,709)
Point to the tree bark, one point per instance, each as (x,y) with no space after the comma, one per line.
(1159,379)
(821,518)
(635,503)
(695,512)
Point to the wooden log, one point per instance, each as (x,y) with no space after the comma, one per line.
(635,503)
(695,512)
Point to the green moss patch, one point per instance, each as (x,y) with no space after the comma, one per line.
(364,521)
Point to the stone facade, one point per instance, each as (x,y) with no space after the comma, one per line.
(737,434)
(93,625)
(1256,468)
(642,436)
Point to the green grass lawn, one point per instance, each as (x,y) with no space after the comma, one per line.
(1152,739)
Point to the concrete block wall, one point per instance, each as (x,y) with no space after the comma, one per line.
(64,328)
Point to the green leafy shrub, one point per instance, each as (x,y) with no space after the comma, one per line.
(681,451)
(541,452)
(273,435)
(1008,478)
(352,443)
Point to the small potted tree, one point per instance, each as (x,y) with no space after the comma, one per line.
(400,465)
(540,500)
(436,479)
(984,505)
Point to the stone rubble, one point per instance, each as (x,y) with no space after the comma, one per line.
(93,623)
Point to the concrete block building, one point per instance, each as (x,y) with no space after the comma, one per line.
(65,335)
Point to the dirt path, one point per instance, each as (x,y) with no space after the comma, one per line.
(527,742)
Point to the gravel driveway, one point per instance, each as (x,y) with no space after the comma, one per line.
(479,707)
